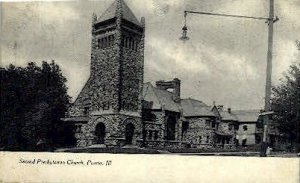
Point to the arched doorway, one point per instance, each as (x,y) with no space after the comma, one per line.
(171,125)
(100,133)
(129,132)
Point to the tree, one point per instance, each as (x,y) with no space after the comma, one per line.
(33,99)
(286,104)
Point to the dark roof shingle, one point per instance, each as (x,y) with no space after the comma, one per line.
(195,108)
(246,115)
(126,13)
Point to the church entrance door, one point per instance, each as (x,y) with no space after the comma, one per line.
(100,133)
(129,132)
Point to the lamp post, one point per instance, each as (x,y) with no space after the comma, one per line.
(270,20)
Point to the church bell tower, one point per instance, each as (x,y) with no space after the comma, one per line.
(117,59)
(108,109)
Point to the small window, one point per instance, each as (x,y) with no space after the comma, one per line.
(200,139)
(245,127)
(150,135)
(99,43)
(110,39)
(86,111)
(236,127)
(127,42)
(130,43)
(78,128)
(213,125)
(133,45)
(136,46)
(155,135)
(207,139)
(207,123)
(105,42)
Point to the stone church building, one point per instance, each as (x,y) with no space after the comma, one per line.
(115,108)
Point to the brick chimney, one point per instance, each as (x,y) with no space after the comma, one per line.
(176,91)
(229,110)
(220,107)
(175,85)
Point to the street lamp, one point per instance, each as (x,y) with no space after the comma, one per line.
(184,30)
(270,20)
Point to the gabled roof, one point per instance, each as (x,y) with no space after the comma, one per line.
(226,116)
(195,108)
(126,13)
(245,116)
(159,98)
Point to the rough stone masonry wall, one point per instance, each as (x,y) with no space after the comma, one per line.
(115,126)
(224,127)
(156,125)
(198,132)
(131,76)
(83,99)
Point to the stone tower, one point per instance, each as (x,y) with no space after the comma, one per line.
(110,103)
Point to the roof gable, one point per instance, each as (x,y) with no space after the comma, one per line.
(160,98)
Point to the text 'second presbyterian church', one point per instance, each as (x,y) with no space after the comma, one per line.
(115,108)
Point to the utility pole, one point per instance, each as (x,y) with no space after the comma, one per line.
(268,90)
(298,113)
(270,20)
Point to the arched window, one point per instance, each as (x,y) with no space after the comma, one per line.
(129,132)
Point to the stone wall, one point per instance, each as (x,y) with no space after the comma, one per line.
(199,132)
(131,73)
(115,126)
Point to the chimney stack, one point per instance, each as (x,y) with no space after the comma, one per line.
(220,107)
(176,91)
(229,110)
(175,85)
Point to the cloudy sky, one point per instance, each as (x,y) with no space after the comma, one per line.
(224,61)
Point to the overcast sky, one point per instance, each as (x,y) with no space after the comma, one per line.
(224,61)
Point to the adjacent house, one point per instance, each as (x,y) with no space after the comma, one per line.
(247,120)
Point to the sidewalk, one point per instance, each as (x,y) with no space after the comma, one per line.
(249,153)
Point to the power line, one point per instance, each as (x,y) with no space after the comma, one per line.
(226,15)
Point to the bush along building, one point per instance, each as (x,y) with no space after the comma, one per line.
(115,108)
